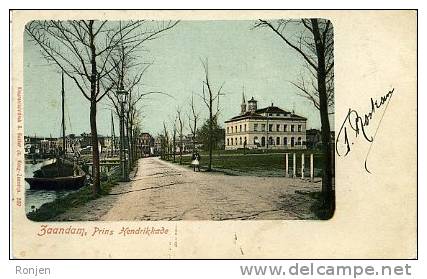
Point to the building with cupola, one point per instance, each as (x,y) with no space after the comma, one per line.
(265,128)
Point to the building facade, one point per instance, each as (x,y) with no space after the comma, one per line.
(266,128)
(145,143)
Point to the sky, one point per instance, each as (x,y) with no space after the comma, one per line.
(239,56)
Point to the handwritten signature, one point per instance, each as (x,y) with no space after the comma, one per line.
(355,125)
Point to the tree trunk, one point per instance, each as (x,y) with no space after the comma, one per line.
(170,151)
(180,148)
(134,146)
(128,147)
(163,147)
(131,146)
(210,133)
(129,143)
(327,188)
(95,151)
(131,150)
(194,142)
(93,130)
(174,147)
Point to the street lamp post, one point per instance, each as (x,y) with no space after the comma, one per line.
(123,160)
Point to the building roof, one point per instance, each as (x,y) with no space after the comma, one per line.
(246,115)
(145,134)
(270,109)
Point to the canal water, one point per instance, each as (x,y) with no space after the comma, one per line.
(36,198)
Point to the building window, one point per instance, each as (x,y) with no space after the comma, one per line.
(270,141)
(245,128)
(245,142)
(292,128)
(235,128)
(228,130)
(278,127)
(236,141)
(263,141)
(292,141)
(277,141)
(240,128)
(240,140)
(278,114)
(256,141)
(299,128)
(231,129)
(285,141)
(228,142)
(299,141)
(270,127)
(270,114)
(231,141)
(255,127)
(285,128)
(263,127)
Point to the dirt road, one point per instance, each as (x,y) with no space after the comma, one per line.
(165,191)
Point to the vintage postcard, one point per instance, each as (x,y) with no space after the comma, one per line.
(214,134)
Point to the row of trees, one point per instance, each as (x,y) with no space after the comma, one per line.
(209,134)
(174,139)
(99,56)
(102,57)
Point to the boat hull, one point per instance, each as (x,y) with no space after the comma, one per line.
(56,183)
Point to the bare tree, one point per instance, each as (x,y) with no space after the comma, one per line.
(193,118)
(314,42)
(308,88)
(165,142)
(180,132)
(174,130)
(128,74)
(134,132)
(211,100)
(81,49)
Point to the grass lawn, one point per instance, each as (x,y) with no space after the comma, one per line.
(257,151)
(259,164)
(52,209)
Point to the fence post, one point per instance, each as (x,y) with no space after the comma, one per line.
(286,165)
(294,163)
(311,167)
(302,166)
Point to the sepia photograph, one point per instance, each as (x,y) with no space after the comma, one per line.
(149,120)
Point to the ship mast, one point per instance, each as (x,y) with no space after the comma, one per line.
(63,115)
(113,135)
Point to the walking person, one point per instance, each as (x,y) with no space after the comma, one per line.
(195,160)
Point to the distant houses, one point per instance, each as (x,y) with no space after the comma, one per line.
(44,147)
(40,145)
(188,145)
(269,127)
(145,142)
